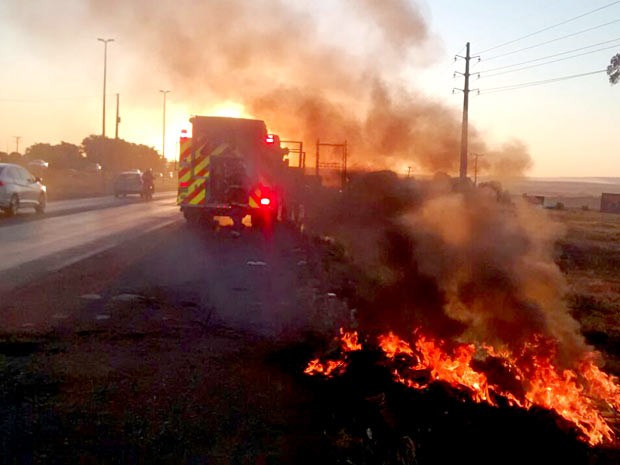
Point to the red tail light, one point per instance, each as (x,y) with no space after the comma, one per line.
(270,139)
(265,201)
(184,184)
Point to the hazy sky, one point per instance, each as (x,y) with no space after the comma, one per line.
(376,73)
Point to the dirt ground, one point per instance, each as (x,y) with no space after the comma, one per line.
(163,351)
(189,347)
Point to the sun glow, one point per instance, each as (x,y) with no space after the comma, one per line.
(228,108)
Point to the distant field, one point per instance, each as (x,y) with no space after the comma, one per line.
(589,256)
(572,192)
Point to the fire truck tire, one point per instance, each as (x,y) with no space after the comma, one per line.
(191,216)
(257,221)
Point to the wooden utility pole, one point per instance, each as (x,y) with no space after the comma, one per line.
(464,127)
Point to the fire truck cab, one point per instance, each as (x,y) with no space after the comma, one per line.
(232,167)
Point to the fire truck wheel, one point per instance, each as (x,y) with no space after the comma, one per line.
(257,221)
(237,219)
(191,216)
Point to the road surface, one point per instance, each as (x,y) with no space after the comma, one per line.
(166,319)
(249,282)
(72,230)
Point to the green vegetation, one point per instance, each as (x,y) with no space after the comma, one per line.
(113,155)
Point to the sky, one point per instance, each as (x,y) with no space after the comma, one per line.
(379,75)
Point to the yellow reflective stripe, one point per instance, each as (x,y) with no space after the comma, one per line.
(196,189)
(185,176)
(252,202)
(202,166)
(199,197)
(219,149)
(185,146)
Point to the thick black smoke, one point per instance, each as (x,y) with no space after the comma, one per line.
(458,261)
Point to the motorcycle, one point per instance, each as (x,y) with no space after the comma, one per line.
(147,190)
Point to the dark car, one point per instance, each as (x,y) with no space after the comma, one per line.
(127,183)
(19,188)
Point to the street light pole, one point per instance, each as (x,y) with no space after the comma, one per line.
(105,65)
(163,137)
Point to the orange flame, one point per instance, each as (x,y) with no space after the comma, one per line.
(316,367)
(349,343)
(577,395)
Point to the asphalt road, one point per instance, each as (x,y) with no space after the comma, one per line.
(250,281)
(177,325)
(72,230)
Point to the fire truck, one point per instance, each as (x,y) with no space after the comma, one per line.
(233,167)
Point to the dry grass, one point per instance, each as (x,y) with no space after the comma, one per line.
(589,255)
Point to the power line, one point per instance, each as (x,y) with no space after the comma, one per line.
(548,62)
(551,27)
(549,56)
(47,99)
(554,40)
(537,83)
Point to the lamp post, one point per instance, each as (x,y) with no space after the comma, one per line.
(105,65)
(163,137)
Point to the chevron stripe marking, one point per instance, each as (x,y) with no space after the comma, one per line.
(185,148)
(202,168)
(195,188)
(199,199)
(219,149)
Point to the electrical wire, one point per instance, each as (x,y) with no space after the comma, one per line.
(546,62)
(537,83)
(551,27)
(49,99)
(554,40)
(549,56)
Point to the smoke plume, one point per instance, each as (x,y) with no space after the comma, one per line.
(312,70)
(461,263)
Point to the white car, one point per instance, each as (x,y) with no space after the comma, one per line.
(19,188)
(38,164)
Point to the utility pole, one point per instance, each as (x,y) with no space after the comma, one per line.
(163,137)
(464,126)
(105,67)
(17,139)
(118,118)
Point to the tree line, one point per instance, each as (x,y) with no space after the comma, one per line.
(112,155)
